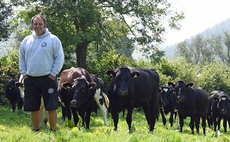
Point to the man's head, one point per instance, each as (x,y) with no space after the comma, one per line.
(39,24)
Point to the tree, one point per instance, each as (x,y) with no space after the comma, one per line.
(226,51)
(108,24)
(5,12)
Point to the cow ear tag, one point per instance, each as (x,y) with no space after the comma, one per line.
(135,76)
(68,87)
(111,74)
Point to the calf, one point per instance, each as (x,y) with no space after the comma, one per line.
(13,95)
(132,88)
(219,109)
(167,103)
(191,102)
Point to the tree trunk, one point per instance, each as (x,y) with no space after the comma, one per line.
(81,50)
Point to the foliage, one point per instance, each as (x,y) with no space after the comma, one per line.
(14,127)
(205,50)
(8,70)
(214,77)
(5,13)
(108,61)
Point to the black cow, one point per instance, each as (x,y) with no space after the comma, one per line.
(191,102)
(78,93)
(131,88)
(219,108)
(13,94)
(167,103)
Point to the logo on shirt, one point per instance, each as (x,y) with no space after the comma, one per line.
(50,90)
(44,44)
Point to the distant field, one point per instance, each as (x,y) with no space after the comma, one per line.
(15,128)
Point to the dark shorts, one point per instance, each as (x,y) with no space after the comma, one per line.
(37,88)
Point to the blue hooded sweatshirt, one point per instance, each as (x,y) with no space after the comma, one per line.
(41,55)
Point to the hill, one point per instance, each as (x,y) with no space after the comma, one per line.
(217,29)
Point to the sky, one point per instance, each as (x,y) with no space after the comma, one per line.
(199,16)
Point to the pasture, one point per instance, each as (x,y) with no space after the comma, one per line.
(15,128)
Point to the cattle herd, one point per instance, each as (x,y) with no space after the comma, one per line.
(81,93)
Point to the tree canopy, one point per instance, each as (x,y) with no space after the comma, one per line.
(205,50)
(105,24)
(5,12)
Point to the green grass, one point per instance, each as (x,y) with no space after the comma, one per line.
(15,128)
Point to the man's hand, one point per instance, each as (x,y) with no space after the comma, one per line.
(51,77)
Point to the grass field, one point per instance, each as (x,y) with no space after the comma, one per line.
(15,128)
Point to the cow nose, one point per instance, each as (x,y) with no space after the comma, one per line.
(73,103)
(123,92)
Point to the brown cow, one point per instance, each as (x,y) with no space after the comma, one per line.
(77,90)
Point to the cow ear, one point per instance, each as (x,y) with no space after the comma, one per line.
(110,73)
(171,84)
(189,84)
(135,74)
(67,86)
(92,85)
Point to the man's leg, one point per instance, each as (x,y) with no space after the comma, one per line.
(35,115)
(52,119)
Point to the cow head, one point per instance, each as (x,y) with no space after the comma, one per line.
(223,104)
(121,77)
(166,95)
(180,90)
(81,90)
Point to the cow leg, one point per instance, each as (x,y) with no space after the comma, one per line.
(87,119)
(218,119)
(82,115)
(20,104)
(204,124)
(214,122)
(171,119)
(68,110)
(225,124)
(209,120)
(218,123)
(63,113)
(149,117)
(13,104)
(75,116)
(129,118)
(115,119)
(181,119)
(197,123)
(163,116)
(191,124)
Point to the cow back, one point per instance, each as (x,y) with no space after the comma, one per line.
(69,75)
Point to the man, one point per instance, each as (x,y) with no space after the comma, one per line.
(41,59)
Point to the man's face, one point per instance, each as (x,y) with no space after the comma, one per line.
(39,26)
